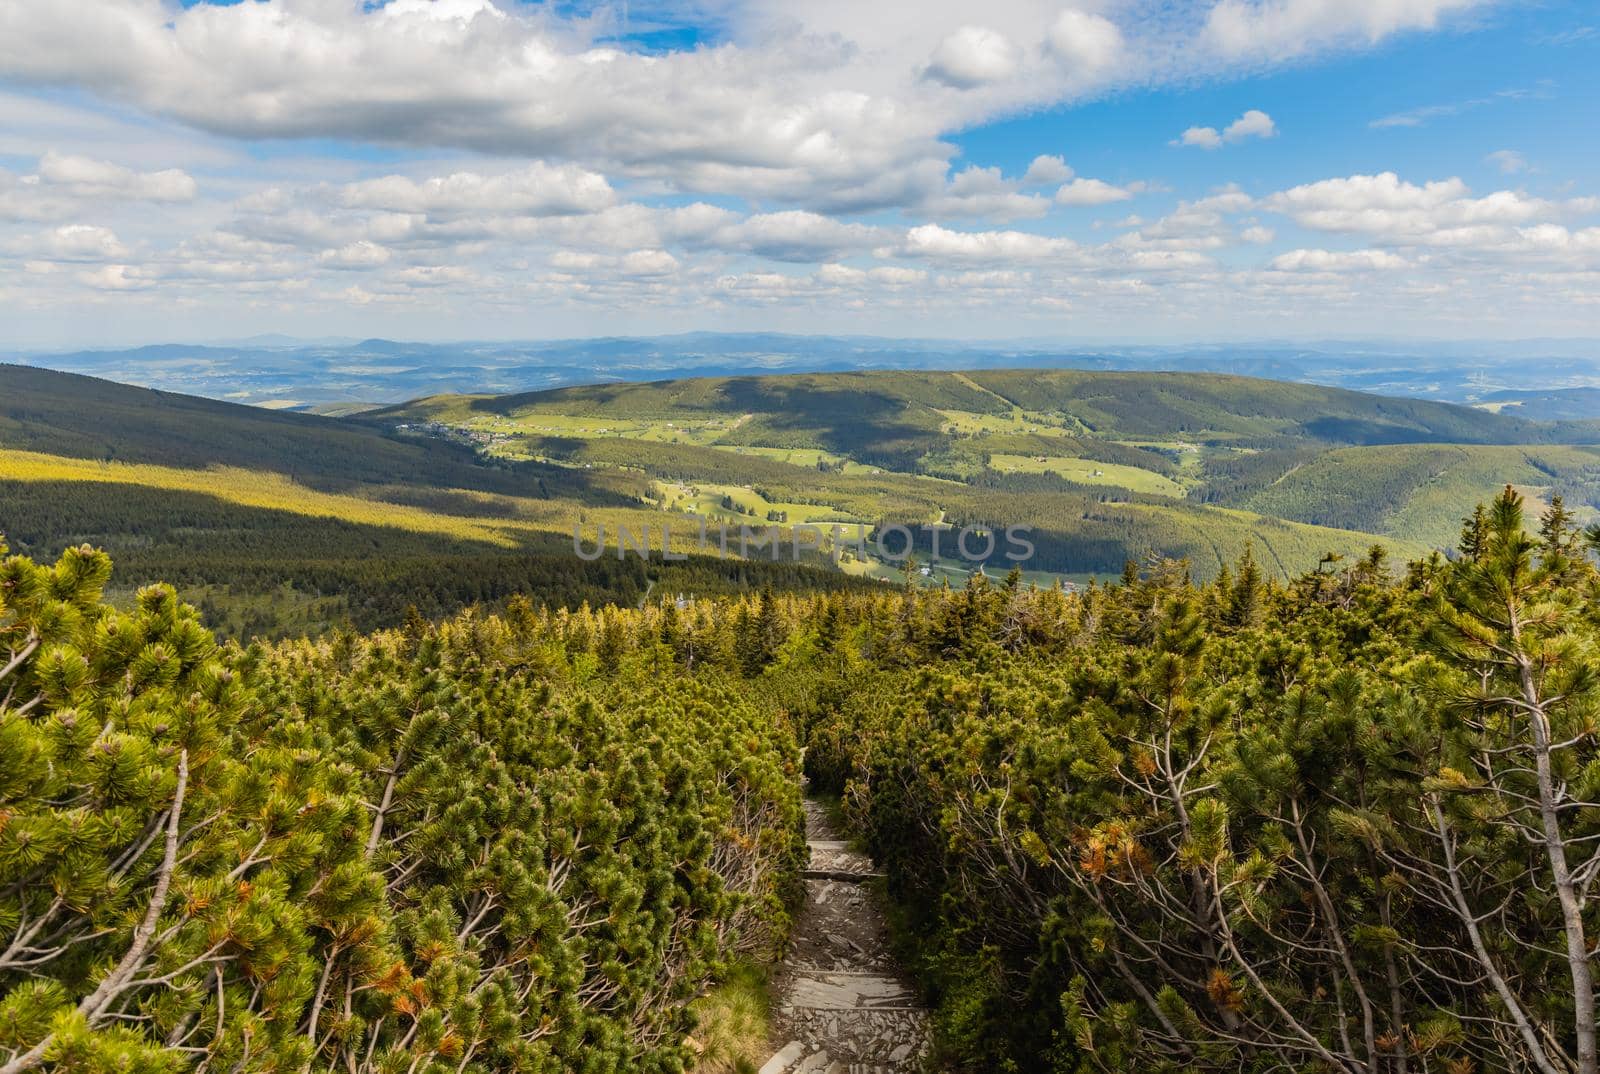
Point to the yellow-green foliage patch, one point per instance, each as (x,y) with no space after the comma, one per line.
(1088,472)
(275,492)
(972,423)
(747,505)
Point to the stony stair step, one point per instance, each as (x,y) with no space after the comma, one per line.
(840,996)
(784,1058)
(846,876)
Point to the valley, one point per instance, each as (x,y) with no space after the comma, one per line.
(292,520)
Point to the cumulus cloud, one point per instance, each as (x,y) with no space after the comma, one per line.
(640,263)
(972,56)
(85,176)
(538,165)
(1088,44)
(1252,124)
(987,194)
(1204,137)
(1046,171)
(1441,212)
(64,184)
(788,118)
(833,106)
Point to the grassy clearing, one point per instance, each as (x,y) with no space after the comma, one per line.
(972,423)
(734,1021)
(712,500)
(1088,472)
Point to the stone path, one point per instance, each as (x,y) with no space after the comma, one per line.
(842,1004)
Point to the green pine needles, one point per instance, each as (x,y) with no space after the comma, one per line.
(412,852)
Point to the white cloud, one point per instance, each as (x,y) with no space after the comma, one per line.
(84,176)
(115,278)
(985,193)
(538,167)
(1275,30)
(640,263)
(537,190)
(1091,192)
(1204,137)
(1337,261)
(25,198)
(1252,124)
(794,235)
(72,242)
(939,243)
(973,56)
(1088,44)
(1046,171)
(1442,212)
(831,105)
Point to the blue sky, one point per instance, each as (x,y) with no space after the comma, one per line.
(488,168)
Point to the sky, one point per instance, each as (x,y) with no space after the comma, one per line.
(1088,170)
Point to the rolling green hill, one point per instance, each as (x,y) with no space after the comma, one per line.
(873,408)
(453,500)
(1421,492)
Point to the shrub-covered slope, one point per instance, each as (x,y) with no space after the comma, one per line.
(486,846)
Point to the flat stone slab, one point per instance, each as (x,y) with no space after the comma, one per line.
(834,857)
(845,992)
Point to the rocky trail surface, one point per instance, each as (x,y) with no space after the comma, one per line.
(842,1004)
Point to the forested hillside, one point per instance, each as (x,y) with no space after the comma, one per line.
(1343,822)
(280,524)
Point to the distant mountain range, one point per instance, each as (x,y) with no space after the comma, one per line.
(288,373)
